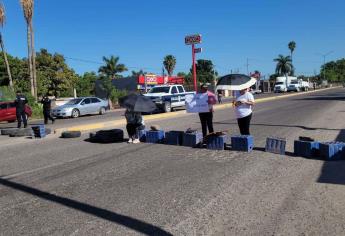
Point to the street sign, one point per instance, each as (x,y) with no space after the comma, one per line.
(192,39)
(197,50)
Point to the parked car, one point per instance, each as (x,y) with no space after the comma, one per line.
(81,106)
(168,97)
(8,111)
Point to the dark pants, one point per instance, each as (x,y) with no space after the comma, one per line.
(206,119)
(132,130)
(21,116)
(47,116)
(243,124)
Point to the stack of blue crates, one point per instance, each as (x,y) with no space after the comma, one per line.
(332,150)
(242,143)
(141,133)
(276,145)
(39,131)
(174,138)
(153,136)
(192,139)
(216,142)
(308,149)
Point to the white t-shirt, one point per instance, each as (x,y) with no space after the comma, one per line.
(244,109)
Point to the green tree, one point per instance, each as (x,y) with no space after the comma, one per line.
(284,66)
(137,73)
(86,84)
(292,46)
(28,9)
(334,71)
(2,22)
(169,64)
(112,69)
(205,71)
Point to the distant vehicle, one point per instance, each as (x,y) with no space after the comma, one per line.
(8,111)
(255,90)
(282,83)
(81,106)
(167,97)
(294,86)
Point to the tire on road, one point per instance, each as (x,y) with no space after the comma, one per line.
(167,107)
(8,131)
(70,134)
(75,113)
(107,136)
(22,132)
(102,111)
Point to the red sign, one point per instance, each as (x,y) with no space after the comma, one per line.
(159,80)
(192,39)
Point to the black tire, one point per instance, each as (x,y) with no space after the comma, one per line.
(167,107)
(71,134)
(11,121)
(102,111)
(75,113)
(107,136)
(22,132)
(8,131)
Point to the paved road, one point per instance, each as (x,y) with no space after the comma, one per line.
(72,187)
(109,116)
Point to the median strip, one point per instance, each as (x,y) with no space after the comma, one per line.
(162,116)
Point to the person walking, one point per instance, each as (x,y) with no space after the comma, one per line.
(244,101)
(206,118)
(46,109)
(135,122)
(220,96)
(20,104)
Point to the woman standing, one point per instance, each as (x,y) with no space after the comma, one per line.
(206,118)
(134,122)
(243,108)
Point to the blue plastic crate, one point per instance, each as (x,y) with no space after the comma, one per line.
(275,145)
(155,136)
(174,137)
(216,142)
(332,150)
(39,131)
(308,149)
(242,143)
(192,139)
(141,133)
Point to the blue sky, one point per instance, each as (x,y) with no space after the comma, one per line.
(143,32)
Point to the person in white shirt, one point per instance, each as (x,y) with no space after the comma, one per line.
(243,103)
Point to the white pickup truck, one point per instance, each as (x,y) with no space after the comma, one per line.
(167,97)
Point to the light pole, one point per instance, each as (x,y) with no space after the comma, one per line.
(324,62)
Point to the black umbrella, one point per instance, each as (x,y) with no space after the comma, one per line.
(235,82)
(137,103)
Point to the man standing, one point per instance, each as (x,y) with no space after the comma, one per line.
(46,109)
(20,103)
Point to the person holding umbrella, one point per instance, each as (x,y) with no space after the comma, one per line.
(243,110)
(243,99)
(135,105)
(206,118)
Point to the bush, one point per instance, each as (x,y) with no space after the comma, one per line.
(7,94)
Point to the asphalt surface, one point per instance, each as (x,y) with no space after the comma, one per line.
(73,187)
(108,116)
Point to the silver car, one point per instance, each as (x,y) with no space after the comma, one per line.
(81,106)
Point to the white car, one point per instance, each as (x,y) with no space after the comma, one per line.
(81,106)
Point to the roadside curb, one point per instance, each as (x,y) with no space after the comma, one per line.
(162,116)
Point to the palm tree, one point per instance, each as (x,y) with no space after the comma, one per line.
(2,22)
(28,9)
(111,69)
(284,65)
(292,46)
(169,64)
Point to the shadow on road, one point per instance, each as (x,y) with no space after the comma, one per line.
(333,172)
(126,221)
(278,125)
